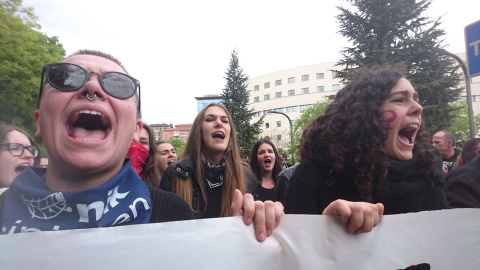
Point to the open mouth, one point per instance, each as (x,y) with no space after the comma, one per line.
(89,126)
(170,161)
(407,134)
(268,162)
(218,135)
(21,167)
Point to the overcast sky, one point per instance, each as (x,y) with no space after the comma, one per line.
(181,49)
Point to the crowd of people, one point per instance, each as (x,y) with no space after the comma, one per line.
(369,154)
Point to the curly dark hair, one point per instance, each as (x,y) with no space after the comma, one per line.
(352,130)
(277,167)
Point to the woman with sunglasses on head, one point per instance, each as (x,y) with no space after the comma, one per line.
(266,164)
(369,146)
(17,151)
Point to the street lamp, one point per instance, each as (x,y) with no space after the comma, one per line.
(468,89)
(291,133)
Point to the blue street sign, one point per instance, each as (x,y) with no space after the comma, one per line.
(472,45)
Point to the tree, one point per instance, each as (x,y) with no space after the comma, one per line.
(461,126)
(235,98)
(24,51)
(394,31)
(307,115)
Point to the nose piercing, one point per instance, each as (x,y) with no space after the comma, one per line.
(91,98)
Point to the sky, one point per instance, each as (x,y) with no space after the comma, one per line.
(180,50)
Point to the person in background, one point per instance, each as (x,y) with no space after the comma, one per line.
(266,164)
(463,183)
(445,142)
(151,172)
(368,146)
(17,151)
(285,163)
(165,156)
(43,161)
(470,150)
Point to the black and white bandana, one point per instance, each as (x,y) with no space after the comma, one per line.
(212,173)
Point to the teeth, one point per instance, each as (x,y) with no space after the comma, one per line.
(90,112)
(87,139)
(413,126)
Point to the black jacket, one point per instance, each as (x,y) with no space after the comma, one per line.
(186,169)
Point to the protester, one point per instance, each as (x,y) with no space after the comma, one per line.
(43,161)
(368,146)
(88,114)
(266,164)
(463,185)
(445,142)
(470,150)
(166,155)
(281,183)
(151,172)
(285,163)
(17,151)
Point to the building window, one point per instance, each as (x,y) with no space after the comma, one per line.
(294,108)
(291,80)
(289,109)
(320,76)
(305,90)
(291,92)
(278,94)
(308,106)
(266,85)
(264,112)
(267,125)
(181,138)
(336,87)
(302,108)
(279,123)
(293,122)
(278,82)
(320,88)
(256,99)
(334,74)
(183,132)
(256,88)
(266,97)
(279,137)
(281,109)
(305,78)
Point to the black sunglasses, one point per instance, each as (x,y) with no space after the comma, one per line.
(71,77)
(17,149)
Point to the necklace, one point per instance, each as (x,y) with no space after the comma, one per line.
(267,178)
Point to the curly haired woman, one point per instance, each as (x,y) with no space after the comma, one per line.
(369,146)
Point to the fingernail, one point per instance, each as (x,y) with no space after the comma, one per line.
(249,221)
(261,236)
(269,232)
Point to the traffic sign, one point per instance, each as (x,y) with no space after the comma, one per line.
(472,45)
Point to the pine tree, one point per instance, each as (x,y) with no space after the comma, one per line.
(235,98)
(394,31)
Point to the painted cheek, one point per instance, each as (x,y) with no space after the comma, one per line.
(388,117)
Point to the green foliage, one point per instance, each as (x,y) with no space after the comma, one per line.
(23,52)
(461,124)
(307,115)
(395,32)
(235,98)
(179,145)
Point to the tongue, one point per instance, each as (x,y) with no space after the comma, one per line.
(404,139)
(81,133)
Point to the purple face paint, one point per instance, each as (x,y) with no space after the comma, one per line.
(388,117)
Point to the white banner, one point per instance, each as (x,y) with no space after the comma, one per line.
(447,239)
